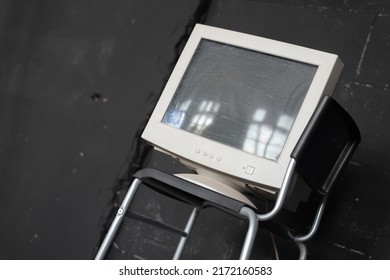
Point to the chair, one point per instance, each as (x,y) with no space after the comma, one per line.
(322,152)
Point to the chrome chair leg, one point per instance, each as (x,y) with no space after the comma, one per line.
(251,233)
(302,250)
(117,220)
(187,230)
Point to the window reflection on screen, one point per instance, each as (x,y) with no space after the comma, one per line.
(242,98)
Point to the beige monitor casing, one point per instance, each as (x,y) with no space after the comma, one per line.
(230,165)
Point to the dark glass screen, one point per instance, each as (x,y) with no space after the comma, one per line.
(242,98)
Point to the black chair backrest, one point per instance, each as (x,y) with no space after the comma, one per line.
(326,145)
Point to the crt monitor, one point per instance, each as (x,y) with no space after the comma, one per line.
(235,105)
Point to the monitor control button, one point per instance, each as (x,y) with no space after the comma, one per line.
(206,154)
(249,170)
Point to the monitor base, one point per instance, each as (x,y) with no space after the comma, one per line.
(216,186)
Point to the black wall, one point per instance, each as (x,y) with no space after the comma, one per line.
(78,80)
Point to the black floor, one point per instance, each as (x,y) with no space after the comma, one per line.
(79,79)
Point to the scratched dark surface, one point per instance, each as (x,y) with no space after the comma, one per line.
(78,80)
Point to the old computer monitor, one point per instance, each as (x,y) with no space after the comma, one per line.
(235,105)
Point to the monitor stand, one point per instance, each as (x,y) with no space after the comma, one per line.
(298,192)
(216,186)
(234,188)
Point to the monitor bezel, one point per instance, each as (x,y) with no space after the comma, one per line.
(223,160)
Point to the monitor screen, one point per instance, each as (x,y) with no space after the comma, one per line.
(242,98)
